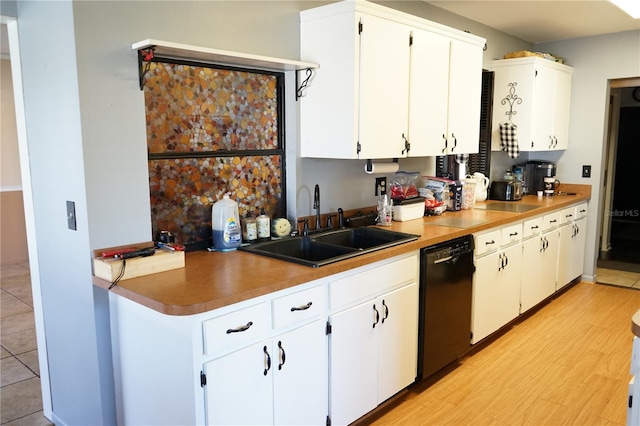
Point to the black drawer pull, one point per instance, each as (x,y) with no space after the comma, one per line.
(553,221)
(582,211)
(568,215)
(301,308)
(535,227)
(240,329)
(266,352)
(386,311)
(283,356)
(377,316)
(490,242)
(513,234)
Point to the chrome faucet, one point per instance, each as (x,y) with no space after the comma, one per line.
(316,205)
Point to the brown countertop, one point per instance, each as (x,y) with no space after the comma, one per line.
(211,280)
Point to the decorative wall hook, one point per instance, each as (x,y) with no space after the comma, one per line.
(511,98)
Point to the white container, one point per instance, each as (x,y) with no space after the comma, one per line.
(406,212)
(225,224)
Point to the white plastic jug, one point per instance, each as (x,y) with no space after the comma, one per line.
(225,224)
(482,184)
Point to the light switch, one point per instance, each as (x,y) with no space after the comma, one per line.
(71,215)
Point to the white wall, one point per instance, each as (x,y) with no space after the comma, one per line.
(596,60)
(9,158)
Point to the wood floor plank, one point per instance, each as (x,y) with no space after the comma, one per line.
(566,364)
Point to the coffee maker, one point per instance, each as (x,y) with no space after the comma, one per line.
(533,174)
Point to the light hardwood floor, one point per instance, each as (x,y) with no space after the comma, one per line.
(567,364)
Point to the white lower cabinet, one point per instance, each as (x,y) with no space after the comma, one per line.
(373,344)
(496,282)
(572,244)
(276,381)
(540,256)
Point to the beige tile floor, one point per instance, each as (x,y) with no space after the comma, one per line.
(619,278)
(20,393)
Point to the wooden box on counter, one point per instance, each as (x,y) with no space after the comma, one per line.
(109,268)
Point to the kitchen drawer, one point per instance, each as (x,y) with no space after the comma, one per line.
(511,234)
(370,283)
(581,210)
(487,242)
(298,306)
(550,221)
(227,331)
(567,215)
(532,227)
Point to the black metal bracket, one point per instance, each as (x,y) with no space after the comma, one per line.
(511,98)
(144,63)
(300,88)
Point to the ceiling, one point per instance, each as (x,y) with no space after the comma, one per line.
(532,21)
(546,20)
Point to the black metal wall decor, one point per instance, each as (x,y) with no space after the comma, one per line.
(512,99)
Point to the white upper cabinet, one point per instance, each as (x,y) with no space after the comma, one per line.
(535,94)
(445,90)
(385,85)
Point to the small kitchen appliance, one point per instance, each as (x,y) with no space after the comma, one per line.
(506,190)
(533,174)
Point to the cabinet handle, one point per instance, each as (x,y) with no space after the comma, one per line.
(490,242)
(240,329)
(500,256)
(455,142)
(283,356)
(546,244)
(301,308)
(513,234)
(555,141)
(386,311)
(550,141)
(446,142)
(553,221)
(407,145)
(542,247)
(266,352)
(568,216)
(583,211)
(377,316)
(535,227)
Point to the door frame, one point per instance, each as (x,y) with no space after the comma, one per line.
(610,156)
(29,212)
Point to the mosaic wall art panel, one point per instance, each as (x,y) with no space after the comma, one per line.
(199,122)
(183,191)
(196,109)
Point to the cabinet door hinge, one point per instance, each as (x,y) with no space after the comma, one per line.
(328,421)
(203,379)
(358,148)
(359,27)
(328,328)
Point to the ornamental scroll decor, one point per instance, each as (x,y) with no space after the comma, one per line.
(512,99)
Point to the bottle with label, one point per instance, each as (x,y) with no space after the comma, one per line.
(263,223)
(225,224)
(249,229)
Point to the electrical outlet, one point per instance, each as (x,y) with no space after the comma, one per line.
(586,171)
(381,186)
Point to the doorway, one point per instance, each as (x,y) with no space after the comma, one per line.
(620,232)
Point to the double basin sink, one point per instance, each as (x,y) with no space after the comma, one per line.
(331,246)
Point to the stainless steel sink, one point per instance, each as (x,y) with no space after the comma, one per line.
(332,246)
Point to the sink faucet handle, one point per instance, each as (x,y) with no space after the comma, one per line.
(329,224)
(340,218)
(305,228)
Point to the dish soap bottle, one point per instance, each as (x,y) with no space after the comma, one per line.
(225,224)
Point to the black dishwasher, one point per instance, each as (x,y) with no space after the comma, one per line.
(444,330)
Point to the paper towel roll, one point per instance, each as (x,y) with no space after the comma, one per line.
(379,168)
